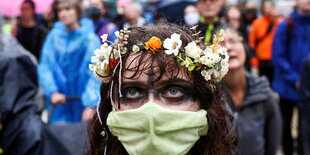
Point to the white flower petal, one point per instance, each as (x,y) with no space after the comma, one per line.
(104,37)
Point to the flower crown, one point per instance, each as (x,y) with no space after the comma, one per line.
(212,61)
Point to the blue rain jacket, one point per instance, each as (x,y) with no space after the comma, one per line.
(63,68)
(291,46)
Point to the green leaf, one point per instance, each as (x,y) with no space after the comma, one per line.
(218,66)
(191,67)
(180,57)
(182,63)
(222,56)
(197,68)
(189,59)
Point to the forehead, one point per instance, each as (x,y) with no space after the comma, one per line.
(146,69)
(64,5)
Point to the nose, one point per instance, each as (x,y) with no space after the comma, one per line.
(228,45)
(154,99)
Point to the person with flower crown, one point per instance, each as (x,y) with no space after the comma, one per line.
(256,111)
(161,94)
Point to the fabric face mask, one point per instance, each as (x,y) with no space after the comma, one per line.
(153,129)
(191,18)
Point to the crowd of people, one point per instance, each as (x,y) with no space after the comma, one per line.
(154,88)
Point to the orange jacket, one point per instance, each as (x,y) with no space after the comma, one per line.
(258,31)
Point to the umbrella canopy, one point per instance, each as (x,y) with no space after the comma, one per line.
(11,8)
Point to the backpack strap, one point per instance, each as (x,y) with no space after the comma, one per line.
(270,26)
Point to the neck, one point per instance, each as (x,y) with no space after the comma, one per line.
(235,80)
(133,21)
(28,22)
(209,20)
(73,26)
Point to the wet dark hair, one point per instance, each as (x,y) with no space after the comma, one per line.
(72,3)
(31,3)
(221,138)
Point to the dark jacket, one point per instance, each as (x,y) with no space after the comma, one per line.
(304,107)
(22,125)
(290,49)
(258,119)
(22,132)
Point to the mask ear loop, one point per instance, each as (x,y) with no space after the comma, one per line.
(97,110)
(120,72)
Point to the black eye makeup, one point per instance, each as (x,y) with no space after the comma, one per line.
(169,92)
(132,93)
(174,93)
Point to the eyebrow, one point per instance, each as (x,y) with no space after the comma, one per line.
(133,83)
(143,84)
(177,81)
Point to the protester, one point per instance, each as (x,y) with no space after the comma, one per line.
(152,100)
(290,49)
(102,25)
(255,108)
(63,66)
(28,31)
(234,19)
(191,15)
(209,17)
(261,38)
(133,12)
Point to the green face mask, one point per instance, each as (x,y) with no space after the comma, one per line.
(152,129)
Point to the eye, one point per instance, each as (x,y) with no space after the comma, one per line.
(132,93)
(174,92)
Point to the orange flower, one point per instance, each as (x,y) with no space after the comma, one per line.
(153,44)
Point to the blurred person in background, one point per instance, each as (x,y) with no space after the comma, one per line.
(133,12)
(233,18)
(120,18)
(191,15)
(28,31)
(63,69)
(209,17)
(249,15)
(261,38)
(97,12)
(256,111)
(291,47)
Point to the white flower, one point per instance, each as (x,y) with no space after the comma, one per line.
(92,67)
(207,51)
(173,44)
(206,75)
(192,50)
(105,50)
(135,48)
(104,37)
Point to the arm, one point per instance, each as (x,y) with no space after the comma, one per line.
(273,127)
(45,73)
(279,58)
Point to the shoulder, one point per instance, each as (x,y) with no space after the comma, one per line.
(258,85)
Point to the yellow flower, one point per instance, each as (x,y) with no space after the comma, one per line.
(153,44)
